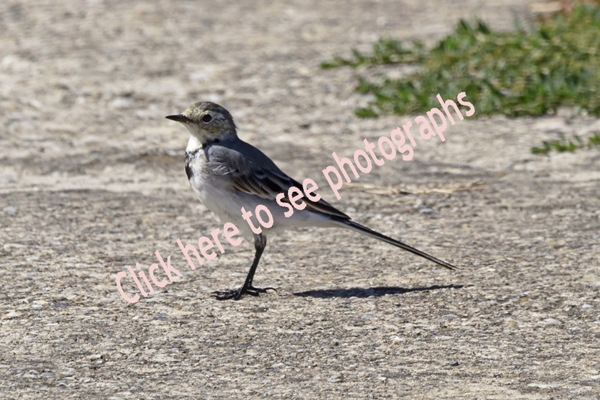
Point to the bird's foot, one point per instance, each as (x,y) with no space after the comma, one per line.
(237,294)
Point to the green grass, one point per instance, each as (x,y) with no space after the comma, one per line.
(521,73)
(563,145)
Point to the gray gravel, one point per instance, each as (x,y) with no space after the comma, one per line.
(92,180)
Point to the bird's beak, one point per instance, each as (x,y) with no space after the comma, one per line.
(179,118)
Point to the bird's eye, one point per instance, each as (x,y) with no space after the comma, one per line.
(207,118)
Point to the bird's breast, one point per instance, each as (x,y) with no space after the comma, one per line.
(194,163)
(213,193)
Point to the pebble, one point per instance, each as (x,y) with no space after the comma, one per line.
(10,210)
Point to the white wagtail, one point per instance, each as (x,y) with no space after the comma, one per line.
(228,174)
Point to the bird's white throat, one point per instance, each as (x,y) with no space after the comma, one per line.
(193,144)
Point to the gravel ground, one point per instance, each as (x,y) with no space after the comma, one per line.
(92,180)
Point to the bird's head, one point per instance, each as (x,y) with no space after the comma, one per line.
(207,122)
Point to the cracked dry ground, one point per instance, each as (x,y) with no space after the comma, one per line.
(91,180)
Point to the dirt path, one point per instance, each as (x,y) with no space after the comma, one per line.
(92,180)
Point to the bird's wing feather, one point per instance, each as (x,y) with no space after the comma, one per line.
(252,172)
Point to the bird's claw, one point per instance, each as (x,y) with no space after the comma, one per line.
(237,294)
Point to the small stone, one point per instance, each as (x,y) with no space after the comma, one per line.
(397,340)
(551,321)
(10,210)
(12,314)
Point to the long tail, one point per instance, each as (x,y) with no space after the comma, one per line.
(369,232)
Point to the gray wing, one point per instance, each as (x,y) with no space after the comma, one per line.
(252,172)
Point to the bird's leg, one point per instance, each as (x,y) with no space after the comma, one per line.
(260,242)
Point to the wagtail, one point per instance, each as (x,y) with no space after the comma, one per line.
(228,174)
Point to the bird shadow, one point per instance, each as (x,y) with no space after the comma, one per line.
(371,292)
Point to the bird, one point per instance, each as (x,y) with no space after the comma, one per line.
(227,174)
